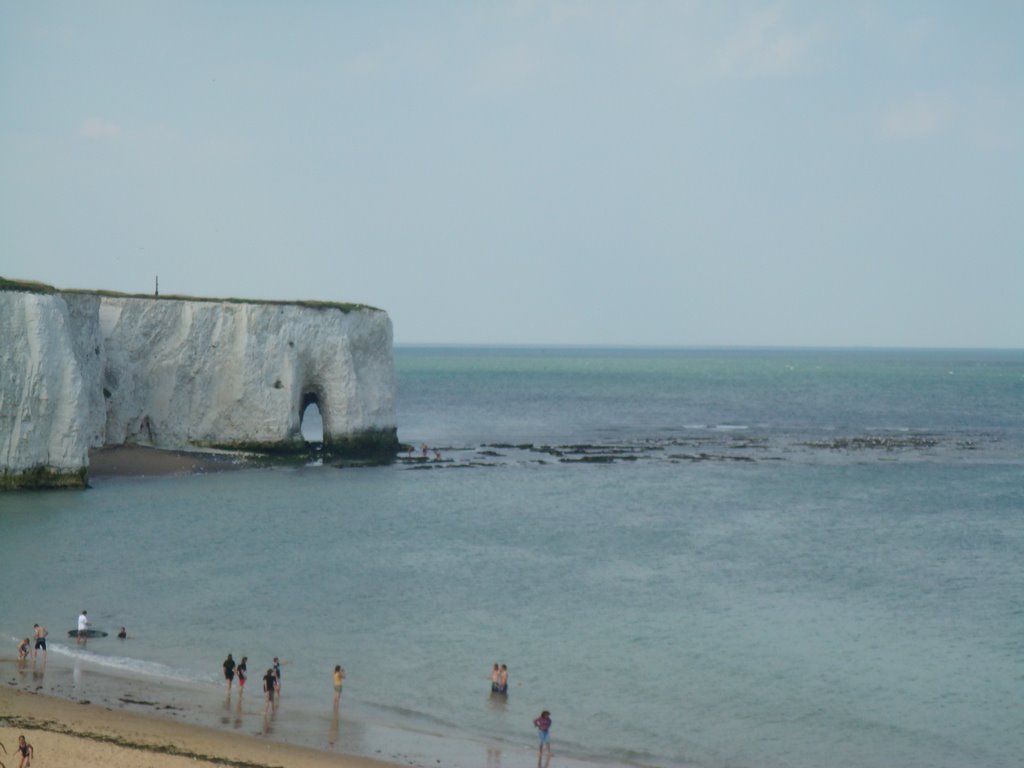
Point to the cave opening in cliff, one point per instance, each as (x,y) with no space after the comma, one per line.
(311,421)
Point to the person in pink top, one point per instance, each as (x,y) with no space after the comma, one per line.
(543,725)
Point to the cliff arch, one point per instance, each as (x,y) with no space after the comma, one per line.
(311,419)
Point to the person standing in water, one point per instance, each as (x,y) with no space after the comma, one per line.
(83,627)
(495,678)
(269,686)
(242,670)
(41,634)
(339,678)
(277,673)
(503,679)
(229,671)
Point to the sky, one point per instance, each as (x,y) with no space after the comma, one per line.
(687,173)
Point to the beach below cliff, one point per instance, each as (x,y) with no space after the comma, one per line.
(143,461)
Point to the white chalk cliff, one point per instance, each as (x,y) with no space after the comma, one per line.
(83,370)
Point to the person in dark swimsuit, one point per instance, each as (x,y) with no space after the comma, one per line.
(27,752)
(277,673)
(229,671)
(269,686)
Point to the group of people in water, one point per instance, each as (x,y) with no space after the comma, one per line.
(85,630)
(271,680)
(499,679)
(27,647)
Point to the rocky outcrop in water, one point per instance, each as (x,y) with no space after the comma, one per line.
(83,370)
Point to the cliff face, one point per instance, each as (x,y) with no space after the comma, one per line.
(83,370)
(45,418)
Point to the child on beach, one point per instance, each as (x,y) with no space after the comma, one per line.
(27,753)
(23,649)
(543,725)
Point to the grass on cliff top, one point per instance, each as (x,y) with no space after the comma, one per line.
(25,286)
(309,304)
(31,287)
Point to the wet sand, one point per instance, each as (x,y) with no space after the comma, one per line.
(66,733)
(140,461)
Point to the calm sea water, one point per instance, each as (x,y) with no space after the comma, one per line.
(691,557)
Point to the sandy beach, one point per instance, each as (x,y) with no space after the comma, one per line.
(68,733)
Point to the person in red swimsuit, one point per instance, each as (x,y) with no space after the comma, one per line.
(242,671)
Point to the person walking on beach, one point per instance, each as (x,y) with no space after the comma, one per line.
(229,671)
(269,686)
(339,678)
(27,752)
(242,670)
(40,633)
(83,627)
(543,726)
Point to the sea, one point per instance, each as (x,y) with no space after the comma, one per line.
(699,558)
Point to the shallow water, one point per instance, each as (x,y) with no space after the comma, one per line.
(783,559)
